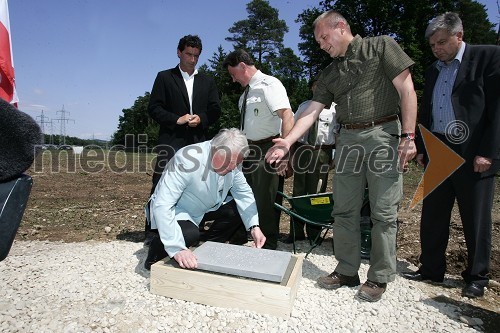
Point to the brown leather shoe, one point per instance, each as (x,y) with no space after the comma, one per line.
(371,291)
(336,280)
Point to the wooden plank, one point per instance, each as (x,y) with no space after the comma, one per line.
(226,291)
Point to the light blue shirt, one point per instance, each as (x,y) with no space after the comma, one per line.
(189,188)
(443,115)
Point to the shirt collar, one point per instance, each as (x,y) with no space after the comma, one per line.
(353,45)
(255,78)
(185,75)
(351,48)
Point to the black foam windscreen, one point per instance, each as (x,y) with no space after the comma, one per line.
(20,138)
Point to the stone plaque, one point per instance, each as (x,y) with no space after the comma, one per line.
(244,261)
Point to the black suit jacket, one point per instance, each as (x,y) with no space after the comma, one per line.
(169,101)
(475,100)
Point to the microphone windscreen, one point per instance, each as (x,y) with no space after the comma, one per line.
(20,138)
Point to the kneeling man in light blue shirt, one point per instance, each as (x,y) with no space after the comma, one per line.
(202,182)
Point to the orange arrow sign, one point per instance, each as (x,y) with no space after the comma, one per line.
(443,161)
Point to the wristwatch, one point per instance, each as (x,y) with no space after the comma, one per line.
(254,226)
(408,136)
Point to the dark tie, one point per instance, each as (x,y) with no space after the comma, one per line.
(244,108)
(313,133)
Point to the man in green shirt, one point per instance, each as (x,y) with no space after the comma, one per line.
(370,80)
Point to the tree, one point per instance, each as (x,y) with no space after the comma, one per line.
(221,76)
(230,116)
(135,121)
(229,92)
(405,21)
(288,68)
(315,59)
(477,28)
(498,24)
(262,33)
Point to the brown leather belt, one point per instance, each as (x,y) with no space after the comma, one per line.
(257,142)
(300,144)
(371,124)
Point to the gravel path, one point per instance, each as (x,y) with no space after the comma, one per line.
(102,287)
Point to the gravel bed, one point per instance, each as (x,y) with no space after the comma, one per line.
(102,287)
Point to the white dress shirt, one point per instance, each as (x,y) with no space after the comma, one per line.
(189,81)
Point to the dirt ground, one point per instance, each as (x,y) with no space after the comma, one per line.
(100,196)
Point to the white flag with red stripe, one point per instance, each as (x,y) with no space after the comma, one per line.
(7,80)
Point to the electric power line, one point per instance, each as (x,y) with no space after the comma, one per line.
(43,120)
(62,121)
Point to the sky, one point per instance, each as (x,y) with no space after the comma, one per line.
(79,63)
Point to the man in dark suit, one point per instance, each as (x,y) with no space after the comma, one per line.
(461,106)
(184,102)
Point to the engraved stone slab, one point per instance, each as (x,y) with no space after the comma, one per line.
(262,264)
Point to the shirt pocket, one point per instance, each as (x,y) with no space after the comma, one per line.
(254,99)
(325,119)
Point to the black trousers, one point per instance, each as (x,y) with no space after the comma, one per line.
(474,196)
(264,181)
(226,226)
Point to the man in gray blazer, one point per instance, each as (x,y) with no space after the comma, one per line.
(184,103)
(202,182)
(461,106)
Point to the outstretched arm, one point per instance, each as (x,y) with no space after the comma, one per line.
(281,146)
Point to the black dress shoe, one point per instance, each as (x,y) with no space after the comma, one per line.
(156,252)
(473,290)
(289,239)
(418,276)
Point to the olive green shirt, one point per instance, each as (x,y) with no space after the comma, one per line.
(361,81)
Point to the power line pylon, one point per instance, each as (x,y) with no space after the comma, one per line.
(62,121)
(43,120)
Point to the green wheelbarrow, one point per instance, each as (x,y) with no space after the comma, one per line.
(313,209)
(316,210)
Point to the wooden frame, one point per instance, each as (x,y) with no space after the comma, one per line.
(167,279)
